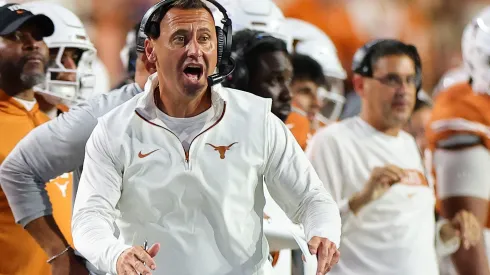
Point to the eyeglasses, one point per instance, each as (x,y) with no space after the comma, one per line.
(397,81)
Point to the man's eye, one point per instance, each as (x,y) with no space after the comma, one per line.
(15,36)
(393,79)
(179,39)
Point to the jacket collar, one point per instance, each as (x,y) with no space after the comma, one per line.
(146,106)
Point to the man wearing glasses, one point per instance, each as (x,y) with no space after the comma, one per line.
(375,172)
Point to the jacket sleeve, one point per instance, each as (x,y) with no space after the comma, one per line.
(50,150)
(95,211)
(53,148)
(295,186)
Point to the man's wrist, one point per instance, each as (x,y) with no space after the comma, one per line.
(357,201)
(446,241)
(54,249)
(65,252)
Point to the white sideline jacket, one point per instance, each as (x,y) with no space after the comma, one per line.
(205,208)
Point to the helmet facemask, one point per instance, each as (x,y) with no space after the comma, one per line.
(331,100)
(69,78)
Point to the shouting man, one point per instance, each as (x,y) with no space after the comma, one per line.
(154,167)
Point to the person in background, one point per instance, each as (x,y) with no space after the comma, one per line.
(70,78)
(263,67)
(23,63)
(309,40)
(263,62)
(65,83)
(51,150)
(458,138)
(307,79)
(376,174)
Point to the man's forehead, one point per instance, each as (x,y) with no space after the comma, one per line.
(179,17)
(396,64)
(274,61)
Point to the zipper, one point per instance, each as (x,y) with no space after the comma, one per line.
(186,154)
(207,129)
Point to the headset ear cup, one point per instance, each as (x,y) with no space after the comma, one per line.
(221,44)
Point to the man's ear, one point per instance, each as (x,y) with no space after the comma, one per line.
(149,66)
(150,51)
(358,84)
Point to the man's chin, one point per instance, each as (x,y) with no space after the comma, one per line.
(194,89)
(30,80)
(399,120)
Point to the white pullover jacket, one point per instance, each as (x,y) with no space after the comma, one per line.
(204,207)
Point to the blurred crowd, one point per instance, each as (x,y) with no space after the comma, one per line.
(434,26)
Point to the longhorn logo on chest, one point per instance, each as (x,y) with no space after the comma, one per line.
(221,149)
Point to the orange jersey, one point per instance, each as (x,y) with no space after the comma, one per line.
(60,195)
(300,127)
(19,252)
(458,110)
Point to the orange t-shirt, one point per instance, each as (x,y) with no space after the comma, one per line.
(459,110)
(300,127)
(19,252)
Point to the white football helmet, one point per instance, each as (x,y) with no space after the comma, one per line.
(450,78)
(476,51)
(261,15)
(69,33)
(310,40)
(303,31)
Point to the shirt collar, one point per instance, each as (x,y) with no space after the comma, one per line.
(147,108)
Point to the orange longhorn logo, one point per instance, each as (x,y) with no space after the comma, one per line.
(221,149)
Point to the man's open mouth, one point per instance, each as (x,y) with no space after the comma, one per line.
(193,71)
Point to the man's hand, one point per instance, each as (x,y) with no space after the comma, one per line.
(380,181)
(326,252)
(463,225)
(68,264)
(136,260)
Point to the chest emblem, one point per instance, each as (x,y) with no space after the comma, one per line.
(221,149)
(141,155)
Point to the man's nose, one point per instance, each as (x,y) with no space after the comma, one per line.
(194,49)
(69,63)
(30,43)
(285,92)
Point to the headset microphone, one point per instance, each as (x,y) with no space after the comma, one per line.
(222,74)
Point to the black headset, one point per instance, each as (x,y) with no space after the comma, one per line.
(150,27)
(361,63)
(240,76)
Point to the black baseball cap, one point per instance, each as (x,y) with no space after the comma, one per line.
(13,16)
